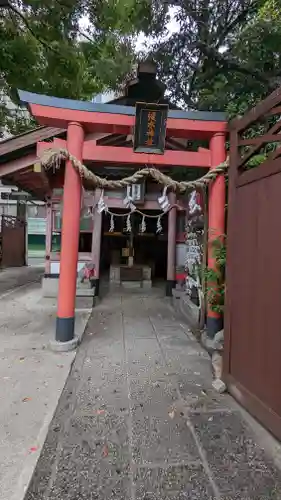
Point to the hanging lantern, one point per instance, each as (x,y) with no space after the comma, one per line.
(135,192)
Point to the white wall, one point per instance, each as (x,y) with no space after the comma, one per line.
(180,254)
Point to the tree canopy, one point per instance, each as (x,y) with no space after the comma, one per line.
(67,48)
(221,54)
(224,55)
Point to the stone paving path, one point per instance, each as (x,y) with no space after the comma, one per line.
(138,419)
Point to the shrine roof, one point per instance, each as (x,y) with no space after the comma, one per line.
(21,142)
(28,98)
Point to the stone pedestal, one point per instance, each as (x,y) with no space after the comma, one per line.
(116,278)
(50,288)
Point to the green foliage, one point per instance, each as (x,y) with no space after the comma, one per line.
(215,277)
(224,55)
(68,48)
(221,55)
(255,161)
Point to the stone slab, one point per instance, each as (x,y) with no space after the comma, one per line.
(138,418)
(253,473)
(173,483)
(50,288)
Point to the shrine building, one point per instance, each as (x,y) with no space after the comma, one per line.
(132,236)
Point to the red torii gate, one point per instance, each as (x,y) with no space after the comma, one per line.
(81,118)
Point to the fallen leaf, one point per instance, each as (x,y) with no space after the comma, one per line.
(100,412)
(105,451)
(24,400)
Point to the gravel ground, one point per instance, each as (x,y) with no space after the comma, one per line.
(138,418)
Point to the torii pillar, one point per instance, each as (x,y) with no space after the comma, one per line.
(110,119)
(65,333)
(216,221)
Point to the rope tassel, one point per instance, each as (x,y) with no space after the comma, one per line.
(128,224)
(111,228)
(102,207)
(159,228)
(143,225)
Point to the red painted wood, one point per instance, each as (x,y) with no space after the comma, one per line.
(181,237)
(70,226)
(49,220)
(181,276)
(18,164)
(91,121)
(172,228)
(179,125)
(216,204)
(112,123)
(59,143)
(114,154)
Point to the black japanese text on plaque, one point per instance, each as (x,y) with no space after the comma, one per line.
(150,128)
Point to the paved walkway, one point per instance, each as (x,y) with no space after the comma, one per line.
(31,377)
(138,419)
(18,277)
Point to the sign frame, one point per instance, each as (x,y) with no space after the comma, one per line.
(150,123)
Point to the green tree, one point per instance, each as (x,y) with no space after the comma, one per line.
(225,55)
(221,55)
(258,47)
(45,48)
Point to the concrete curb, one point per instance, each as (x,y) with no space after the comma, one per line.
(188,311)
(70,345)
(32,459)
